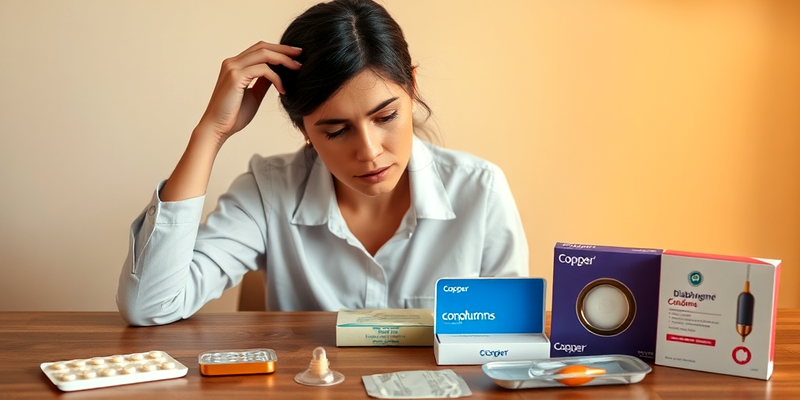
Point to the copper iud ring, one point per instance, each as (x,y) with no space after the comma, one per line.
(631,301)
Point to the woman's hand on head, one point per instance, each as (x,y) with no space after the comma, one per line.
(235,102)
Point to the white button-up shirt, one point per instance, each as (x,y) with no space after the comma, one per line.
(282,216)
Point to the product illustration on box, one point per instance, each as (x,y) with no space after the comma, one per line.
(606,307)
(744,309)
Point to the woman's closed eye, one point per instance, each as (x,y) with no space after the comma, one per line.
(382,120)
(331,135)
(389,117)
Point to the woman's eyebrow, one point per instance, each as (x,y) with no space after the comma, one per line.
(380,106)
(377,108)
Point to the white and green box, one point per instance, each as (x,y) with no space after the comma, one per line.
(391,327)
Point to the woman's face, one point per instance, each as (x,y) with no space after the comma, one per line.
(363,134)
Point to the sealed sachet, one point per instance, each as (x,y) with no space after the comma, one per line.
(416,385)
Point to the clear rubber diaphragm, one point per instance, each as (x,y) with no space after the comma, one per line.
(319,372)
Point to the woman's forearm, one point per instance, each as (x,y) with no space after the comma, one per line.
(191,175)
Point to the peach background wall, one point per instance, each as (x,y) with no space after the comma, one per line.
(671,124)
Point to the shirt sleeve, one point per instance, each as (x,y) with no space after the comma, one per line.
(175,264)
(505,246)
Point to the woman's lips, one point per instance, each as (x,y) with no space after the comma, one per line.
(375,176)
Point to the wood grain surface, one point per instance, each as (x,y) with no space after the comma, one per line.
(29,339)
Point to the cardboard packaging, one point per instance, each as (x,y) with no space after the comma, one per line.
(391,327)
(478,320)
(718,313)
(605,301)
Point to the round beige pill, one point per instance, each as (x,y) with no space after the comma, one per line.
(136,357)
(109,372)
(116,359)
(78,363)
(58,366)
(128,369)
(154,355)
(66,377)
(97,361)
(148,368)
(88,374)
(168,365)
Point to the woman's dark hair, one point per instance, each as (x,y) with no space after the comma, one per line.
(340,39)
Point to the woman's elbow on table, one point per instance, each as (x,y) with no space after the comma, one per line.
(143,316)
(137,311)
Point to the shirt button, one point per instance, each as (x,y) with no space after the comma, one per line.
(152,210)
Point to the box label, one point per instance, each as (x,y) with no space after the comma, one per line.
(497,306)
(716,314)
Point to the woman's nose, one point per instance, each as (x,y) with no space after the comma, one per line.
(370,144)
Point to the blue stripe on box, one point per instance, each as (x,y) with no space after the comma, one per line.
(490,305)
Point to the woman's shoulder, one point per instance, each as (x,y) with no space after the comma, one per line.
(467,179)
(276,161)
(459,160)
(298,161)
(462,174)
(282,169)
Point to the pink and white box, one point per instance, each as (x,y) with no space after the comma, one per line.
(717,313)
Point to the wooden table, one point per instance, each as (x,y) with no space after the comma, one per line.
(28,339)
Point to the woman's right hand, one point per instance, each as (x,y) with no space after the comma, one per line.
(234,103)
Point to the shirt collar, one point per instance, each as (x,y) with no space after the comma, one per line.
(428,196)
(318,196)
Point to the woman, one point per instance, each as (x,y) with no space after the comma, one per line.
(365,216)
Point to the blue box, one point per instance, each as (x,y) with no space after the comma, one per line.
(478,320)
(605,301)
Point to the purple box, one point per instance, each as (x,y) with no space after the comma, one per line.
(605,301)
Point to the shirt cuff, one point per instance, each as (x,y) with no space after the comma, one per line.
(188,211)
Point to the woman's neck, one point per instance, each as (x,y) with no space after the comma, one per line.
(374,219)
(356,202)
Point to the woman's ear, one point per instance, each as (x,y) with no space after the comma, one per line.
(414,79)
(302,130)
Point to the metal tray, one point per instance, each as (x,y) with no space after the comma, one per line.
(237,362)
(550,372)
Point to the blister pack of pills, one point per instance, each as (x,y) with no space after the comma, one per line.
(121,369)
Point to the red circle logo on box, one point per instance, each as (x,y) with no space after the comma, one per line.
(741,355)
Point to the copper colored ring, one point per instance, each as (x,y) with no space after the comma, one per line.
(628,297)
